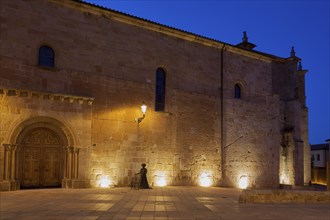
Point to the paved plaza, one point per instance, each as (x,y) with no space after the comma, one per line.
(158,203)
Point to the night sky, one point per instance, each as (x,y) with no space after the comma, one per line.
(274,26)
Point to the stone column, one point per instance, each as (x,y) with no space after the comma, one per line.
(287,168)
(71,168)
(2,163)
(69,162)
(9,168)
(75,163)
(6,162)
(299,163)
(67,181)
(10,160)
(13,162)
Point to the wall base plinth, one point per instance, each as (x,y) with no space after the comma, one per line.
(11,185)
(75,183)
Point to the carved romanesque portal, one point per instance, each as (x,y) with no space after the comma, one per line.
(42,154)
(42,159)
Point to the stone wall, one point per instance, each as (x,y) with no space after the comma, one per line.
(113,58)
(289,83)
(95,60)
(251,123)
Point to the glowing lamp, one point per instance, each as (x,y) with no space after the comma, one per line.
(105,182)
(284,179)
(205,180)
(161,181)
(143,110)
(243,182)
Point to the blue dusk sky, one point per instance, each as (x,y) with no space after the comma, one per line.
(274,26)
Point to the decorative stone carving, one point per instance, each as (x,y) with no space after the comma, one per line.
(72,162)
(9,161)
(46,96)
(11,93)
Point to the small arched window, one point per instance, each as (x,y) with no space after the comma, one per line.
(160,90)
(237,91)
(46,56)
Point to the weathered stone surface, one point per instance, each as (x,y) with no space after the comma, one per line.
(105,66)
(283,196)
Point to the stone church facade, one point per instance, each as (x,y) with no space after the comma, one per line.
(74,75)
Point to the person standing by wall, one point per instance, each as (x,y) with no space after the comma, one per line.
(144,181)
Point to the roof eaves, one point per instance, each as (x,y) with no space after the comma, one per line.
(193,36)
(319,146)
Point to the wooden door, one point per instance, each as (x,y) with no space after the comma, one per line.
(31,173)
(51,166)
(41,164)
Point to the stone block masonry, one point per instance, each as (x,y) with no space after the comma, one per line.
(105,65)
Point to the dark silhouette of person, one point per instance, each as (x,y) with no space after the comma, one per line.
(143,177)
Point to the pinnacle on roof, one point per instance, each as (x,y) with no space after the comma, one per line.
(245,44)
(245,38)
(292,53)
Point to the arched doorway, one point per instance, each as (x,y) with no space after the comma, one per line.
(38,157)
(42,158)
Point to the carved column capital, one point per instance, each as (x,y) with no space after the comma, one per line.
(10,147)
(70,149)
(72,162)
(9,161)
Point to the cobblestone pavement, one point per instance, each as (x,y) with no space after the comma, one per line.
(157,203)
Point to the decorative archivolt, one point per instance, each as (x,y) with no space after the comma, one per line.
(65,134)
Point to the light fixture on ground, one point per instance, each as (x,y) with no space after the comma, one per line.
(143,110)
(205,179)
(243,182)
(160,180)
(105,182)
(284,179)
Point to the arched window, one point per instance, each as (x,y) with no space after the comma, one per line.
(46,56)
(237,91)
(160,90)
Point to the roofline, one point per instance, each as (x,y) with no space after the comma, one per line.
(171,31)
(320,147)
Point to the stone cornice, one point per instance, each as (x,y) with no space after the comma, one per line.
(46,96)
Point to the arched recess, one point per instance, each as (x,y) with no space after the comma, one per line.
(238,90)
(38,165)
(160,90)
(57,126)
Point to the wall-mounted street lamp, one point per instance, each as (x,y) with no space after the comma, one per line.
(143,110)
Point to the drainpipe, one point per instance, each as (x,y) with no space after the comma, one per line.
(221,116)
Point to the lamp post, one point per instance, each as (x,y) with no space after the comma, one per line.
(143,110)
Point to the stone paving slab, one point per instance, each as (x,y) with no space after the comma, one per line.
(155,204)
(284,196)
